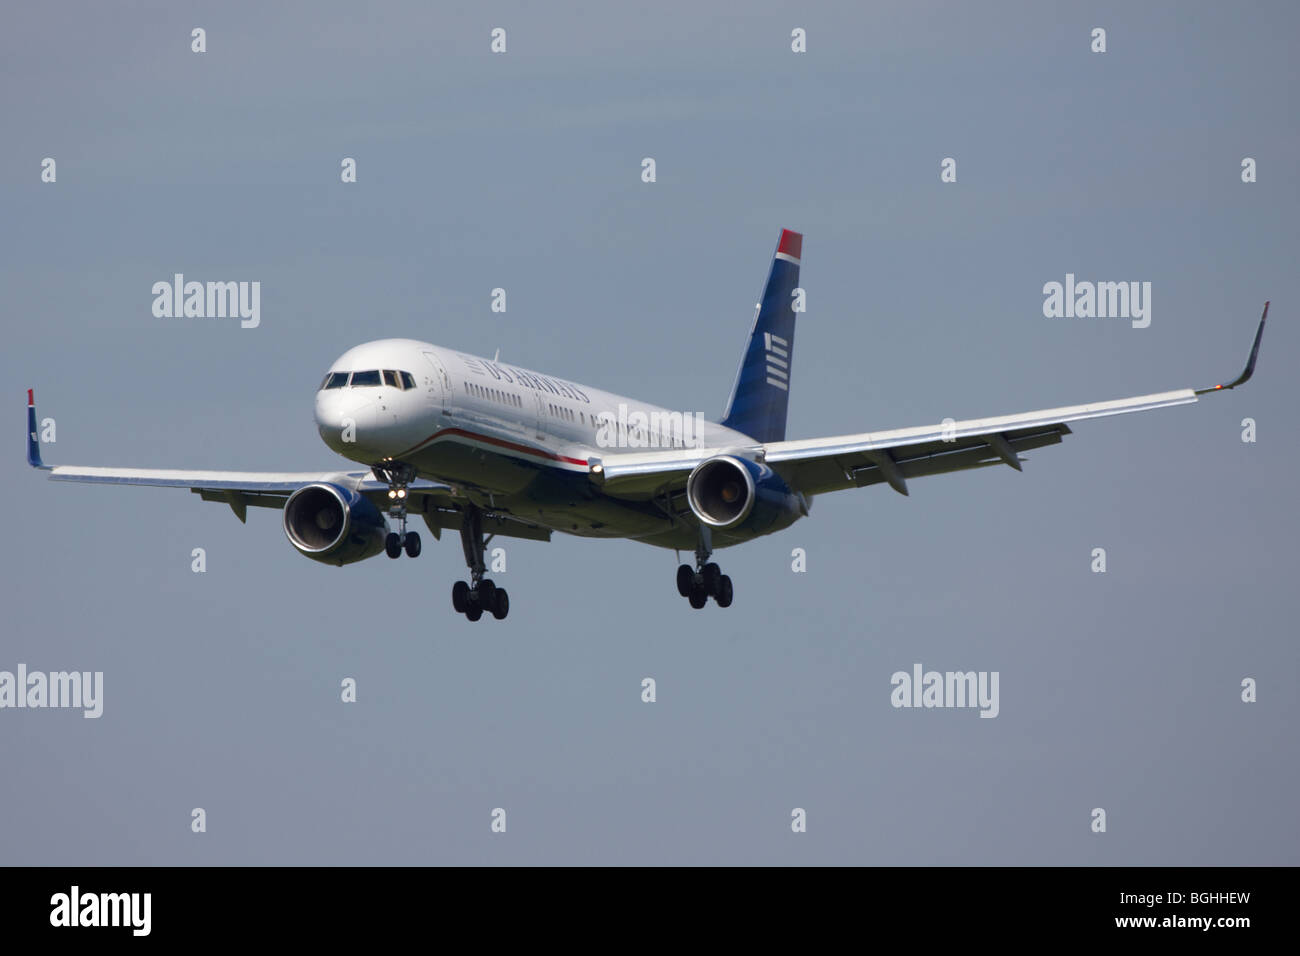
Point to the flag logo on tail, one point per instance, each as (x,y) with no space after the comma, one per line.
(778,361)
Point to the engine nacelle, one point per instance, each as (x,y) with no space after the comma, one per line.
(334,525)
(731,493)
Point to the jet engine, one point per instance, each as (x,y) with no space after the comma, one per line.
(333,525)
(731,493)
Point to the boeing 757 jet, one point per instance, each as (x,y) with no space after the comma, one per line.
(487,448)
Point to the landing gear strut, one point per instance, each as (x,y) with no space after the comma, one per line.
(479,595)
(706,579)
(397,476)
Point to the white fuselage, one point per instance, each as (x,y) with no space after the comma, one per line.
(508,435)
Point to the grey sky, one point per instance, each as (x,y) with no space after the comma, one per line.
(522,171)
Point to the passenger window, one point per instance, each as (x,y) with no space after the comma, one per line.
(336,380)
(364,379)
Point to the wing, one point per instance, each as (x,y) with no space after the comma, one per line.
(818,465)
(438,503)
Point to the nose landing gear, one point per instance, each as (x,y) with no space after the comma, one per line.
(706,579)
(397,476)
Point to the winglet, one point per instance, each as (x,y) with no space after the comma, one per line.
(1244,377)
(33,437)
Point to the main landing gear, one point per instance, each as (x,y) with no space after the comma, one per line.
(706,579)
(479,595)
(397,476)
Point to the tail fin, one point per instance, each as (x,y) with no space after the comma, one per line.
(761,395)
(33,438)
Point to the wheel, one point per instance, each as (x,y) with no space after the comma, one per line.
(487,594)
(699,596)
(501,606)
(712,574)
(393,545)
(685,580)
(474,612)
(412,544)
(724,593)
(460,597)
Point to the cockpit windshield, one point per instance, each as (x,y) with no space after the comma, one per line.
(372,377)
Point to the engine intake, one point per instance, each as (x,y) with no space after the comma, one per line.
(727,492)
(333,525)
(721,492)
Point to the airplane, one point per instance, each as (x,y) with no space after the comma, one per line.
(491,449)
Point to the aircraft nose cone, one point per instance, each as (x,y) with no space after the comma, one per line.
(343,420)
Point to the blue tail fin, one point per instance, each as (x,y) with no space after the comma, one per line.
(761,395)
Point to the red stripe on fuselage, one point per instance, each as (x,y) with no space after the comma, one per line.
(501,442)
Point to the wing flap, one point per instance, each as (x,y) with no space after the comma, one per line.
(493,524)
(820,475)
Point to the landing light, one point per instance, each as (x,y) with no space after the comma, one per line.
(391,493)
(401,492)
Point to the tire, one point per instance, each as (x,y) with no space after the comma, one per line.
(685,580)
(487,594)
(474,612)
(501,606)
(699,597)
(725,594)
(460,597)
(393,545)
(412,544)
(712,575)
